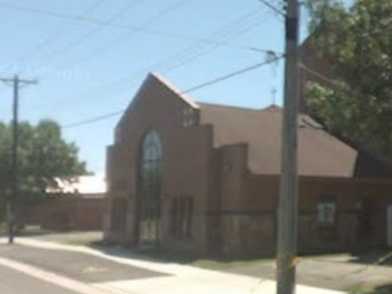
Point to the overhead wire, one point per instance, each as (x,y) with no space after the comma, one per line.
(126,38)
(214,44)
(273,8)
(189,90)
(89,34)
(50,39)
(187,55)
(230,35)
(99,22)
(231,75)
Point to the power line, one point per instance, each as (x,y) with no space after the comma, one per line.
(93,120)
(53,37)
(99,22)
(325,79)
(231,31)
(151,20)
(227,30)
(189,90)
(186,55)
(273,8)
(233,74)
(111,20)
(218,42)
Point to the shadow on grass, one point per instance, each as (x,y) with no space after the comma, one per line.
(378,256)
(383,289)
(386,289)
(150,253)
(164,255)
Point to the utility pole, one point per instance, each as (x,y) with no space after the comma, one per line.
(288,198)
(16,84)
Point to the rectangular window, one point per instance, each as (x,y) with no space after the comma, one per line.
(189,217)
(188,117)
(181,217)
(174,217)
(327,212)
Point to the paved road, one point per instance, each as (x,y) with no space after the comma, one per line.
(14,282)
(78,266)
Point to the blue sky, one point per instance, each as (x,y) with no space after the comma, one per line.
(85,70)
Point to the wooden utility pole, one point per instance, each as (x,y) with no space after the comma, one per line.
(16,83)
(288,207)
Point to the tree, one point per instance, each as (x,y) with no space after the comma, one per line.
(43,157)
(357,42)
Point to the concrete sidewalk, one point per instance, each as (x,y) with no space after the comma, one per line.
(172,278)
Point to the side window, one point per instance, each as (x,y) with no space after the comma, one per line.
(189,217)
(188,117)
(326,212)
(174,217)
(182,217)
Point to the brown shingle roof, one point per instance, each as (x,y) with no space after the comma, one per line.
(319,153)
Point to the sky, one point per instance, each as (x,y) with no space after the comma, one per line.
(90,57)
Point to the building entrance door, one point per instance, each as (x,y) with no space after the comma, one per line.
(389,225)
(150,189)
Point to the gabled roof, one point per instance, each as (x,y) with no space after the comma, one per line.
(186,98)
(151,79)
(157,78)
(319,153)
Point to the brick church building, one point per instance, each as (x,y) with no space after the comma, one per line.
(204,178)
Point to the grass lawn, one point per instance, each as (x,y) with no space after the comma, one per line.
(228,264)
(75,238)
(367,289)
(379,257)
(167,256)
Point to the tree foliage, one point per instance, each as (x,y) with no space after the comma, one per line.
(43,157)
(357,42)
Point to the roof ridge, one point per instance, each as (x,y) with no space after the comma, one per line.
(185,97)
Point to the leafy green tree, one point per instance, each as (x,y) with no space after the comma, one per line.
(357,43)
(43,157)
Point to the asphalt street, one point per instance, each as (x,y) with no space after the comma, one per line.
(78,266)
(14,282)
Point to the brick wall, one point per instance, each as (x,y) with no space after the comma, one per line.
(251,228)
(68,213)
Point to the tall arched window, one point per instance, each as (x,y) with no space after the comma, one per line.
(150,176)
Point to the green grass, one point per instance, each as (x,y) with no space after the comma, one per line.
(170,256)
(376,257)
(228,264)
(368,289)
(75,238)
(88,241)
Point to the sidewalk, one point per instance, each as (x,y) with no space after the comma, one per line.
(114,274)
